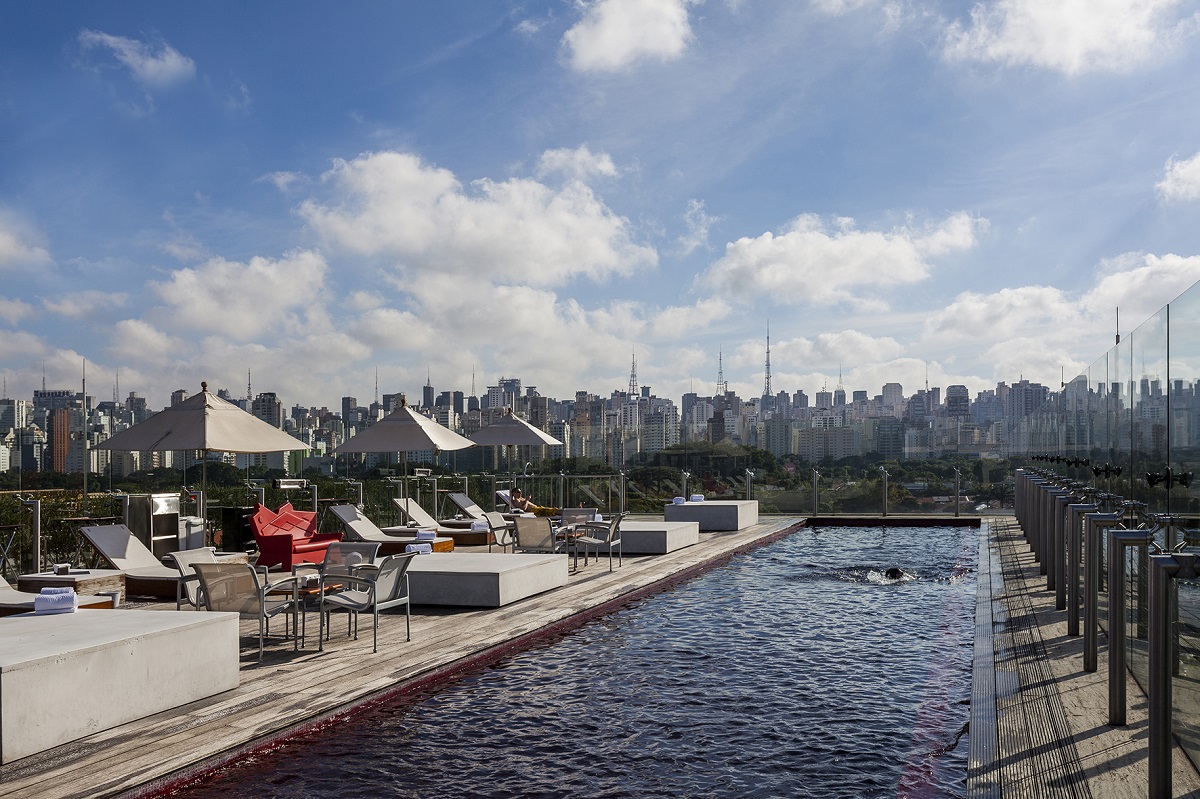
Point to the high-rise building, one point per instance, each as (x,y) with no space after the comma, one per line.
(266,406)
(958,401)
(179,395)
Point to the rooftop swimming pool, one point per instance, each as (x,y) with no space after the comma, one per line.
(799,669)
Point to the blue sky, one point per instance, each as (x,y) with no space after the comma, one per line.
(541,189)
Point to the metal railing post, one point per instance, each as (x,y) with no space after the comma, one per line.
(1074,525)
(885,479)
(816,488)
(1163,568)
(1094,526)
(1118,542)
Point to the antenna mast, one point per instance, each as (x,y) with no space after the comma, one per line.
(767,380)
(633,381)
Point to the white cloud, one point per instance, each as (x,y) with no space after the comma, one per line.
(615,34)
(1140,284)
(13,311)
(815,262)
(699,223)
(827,351)
(392,204)
(1071,326)
(243,300)
(139,342)
(578,164)
(1181,180)
(980,316)
(81,304)
(16,250)
(1069,36)
(158,66)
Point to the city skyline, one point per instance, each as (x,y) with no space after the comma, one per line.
(541,189)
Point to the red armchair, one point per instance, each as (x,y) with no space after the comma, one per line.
(288,536)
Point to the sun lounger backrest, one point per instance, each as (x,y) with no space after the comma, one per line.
(467,505)
(505,496)
(578,515)
(120,547)
(358,527)
(413,512)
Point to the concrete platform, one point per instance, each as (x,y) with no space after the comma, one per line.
(73,674)
(657,538)
(715,515)
(483,579)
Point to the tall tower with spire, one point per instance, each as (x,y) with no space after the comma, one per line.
(722,386)
(633,380)
(767,403)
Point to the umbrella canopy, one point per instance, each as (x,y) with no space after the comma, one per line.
(512,431)
(203,422)
(404,430)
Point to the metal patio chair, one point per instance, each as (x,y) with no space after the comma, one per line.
(603,534)
(242,589)
(370,588)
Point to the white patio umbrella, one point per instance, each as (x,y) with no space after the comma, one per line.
(512,431)
(404,431)
(207,423)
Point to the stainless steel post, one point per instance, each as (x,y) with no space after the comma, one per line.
(313,489)
(1056,552)
(1118,542)
(1074,530)
(1163,568)
(35,524)
(1094,526)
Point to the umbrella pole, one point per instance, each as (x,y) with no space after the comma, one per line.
(203,486)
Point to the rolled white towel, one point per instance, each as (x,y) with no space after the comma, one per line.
(46,604)
(480,524)
(697,498)
(678,500)
(50,590)
(420,549)
(426,535)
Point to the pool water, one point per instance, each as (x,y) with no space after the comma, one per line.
(799,669)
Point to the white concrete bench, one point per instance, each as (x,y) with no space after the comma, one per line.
(483,579)
(657,538)
(69,675)
(724,514)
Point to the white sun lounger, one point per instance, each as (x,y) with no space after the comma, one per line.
(145,575)
(360,528)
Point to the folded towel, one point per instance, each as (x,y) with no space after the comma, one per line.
(599,518)
(697,498)
(480,524)
(45,604)
(426,535)
(420,549)
(678,500)
(55,589)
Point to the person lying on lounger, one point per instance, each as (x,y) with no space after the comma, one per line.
(521,503)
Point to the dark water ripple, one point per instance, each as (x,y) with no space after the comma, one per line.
(797,670)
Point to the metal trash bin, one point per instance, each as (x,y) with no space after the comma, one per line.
(191,532)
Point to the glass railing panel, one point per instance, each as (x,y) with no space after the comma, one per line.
(1184,368)
(1149,405)
(1186,680)
(1136,615)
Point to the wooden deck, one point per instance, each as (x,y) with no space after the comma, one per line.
(1039,722)
(291,691)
